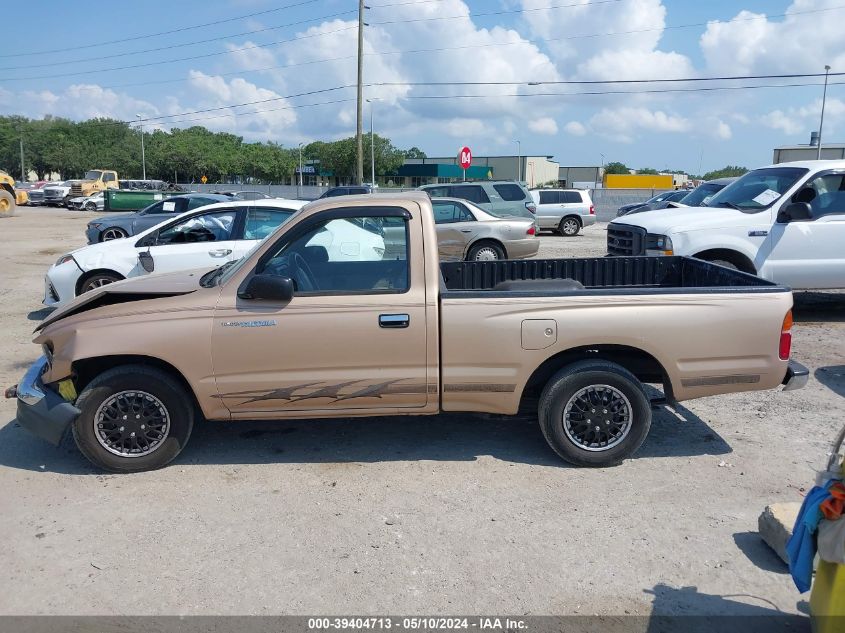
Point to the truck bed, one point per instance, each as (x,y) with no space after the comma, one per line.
(603,275)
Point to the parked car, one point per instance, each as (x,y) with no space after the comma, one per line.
(204,237)
(88,203)
(350,190)
(503,199)
(785,223)
(698,197)
(36,193)
(58,194)
(250,195)
(565,211)
(466,232)
(298,330)
(114,227)
(667,196)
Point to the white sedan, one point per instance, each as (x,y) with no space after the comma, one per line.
(206,237)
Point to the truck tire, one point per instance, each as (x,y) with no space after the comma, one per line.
(569,226)
(486,251)
(133,418)
(7,204)
(594,413)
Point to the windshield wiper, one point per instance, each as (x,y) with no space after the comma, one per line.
(731,205)
(210,278)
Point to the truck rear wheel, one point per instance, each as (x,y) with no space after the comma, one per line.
(594,413)
(7,204)
(133,418)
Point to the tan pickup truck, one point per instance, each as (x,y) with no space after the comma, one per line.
(345,311)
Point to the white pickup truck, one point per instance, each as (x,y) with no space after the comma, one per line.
(784,223)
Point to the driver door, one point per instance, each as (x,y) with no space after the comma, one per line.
(811,253)
(204,240)
(353,337)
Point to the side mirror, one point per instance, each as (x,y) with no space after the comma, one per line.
(147,261)
(268,288)
(795,212)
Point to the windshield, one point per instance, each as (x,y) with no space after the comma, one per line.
(93,175)
(700,195)
(758,189)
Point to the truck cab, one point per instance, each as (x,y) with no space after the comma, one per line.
(95,180)
(784,223)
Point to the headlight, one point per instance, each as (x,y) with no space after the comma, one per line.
(94,225)
(64,259)
(659,245)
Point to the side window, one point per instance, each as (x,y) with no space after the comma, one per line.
(463,214)
(571,197)
(510,192)
(473,193)
(445,212)
(108,177)
(438,192)
(825,194)
(206,227)
(365,254)
(549,197)
(261,221)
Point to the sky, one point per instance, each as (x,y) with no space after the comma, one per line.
(292,62)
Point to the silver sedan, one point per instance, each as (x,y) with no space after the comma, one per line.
(466,232)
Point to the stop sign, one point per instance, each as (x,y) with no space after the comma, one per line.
(465,157)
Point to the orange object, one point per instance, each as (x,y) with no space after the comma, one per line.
(834,507)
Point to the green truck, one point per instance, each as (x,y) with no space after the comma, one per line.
(133,199)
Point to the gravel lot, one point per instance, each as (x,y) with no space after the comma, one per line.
(453,514)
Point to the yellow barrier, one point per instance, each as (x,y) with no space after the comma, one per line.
(827,599)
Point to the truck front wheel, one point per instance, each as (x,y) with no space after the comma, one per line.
(594,413)
(7,204)
(133,418)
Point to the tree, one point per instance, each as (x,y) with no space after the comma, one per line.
(730,171)
(616,168)
(414,152)
(648,171)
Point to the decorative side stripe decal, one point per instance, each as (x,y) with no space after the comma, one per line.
(479,387)
(715,381)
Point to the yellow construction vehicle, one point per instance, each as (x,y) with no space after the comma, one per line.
(9,198)
(95,180)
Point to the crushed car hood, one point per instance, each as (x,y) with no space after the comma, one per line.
(134,289)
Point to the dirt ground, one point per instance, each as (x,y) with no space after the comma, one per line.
(445,515)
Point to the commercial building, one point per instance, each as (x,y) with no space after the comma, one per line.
(790,153)
(535,171)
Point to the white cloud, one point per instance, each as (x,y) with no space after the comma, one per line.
(575,128)
(809,37)
(544,125)
(723,130)
(804,119)
(465,128)
(626,123)
(77,101)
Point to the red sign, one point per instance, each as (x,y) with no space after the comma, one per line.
(465,157)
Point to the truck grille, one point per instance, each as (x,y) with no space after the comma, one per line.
(53,194)
(76,190)
(624,240)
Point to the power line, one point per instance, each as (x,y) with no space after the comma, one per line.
(589,3)
(467,46)
(170,32)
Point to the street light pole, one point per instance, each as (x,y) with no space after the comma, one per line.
(143,158)
(359,134)
(299,189)
(821,123)
(372,146)
(518,161)
(23,171)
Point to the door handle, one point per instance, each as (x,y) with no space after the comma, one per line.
(394,320)
(466,230)
(757,233)
(220,252)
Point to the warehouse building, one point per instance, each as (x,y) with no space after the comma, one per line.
(790,153)
(535,171)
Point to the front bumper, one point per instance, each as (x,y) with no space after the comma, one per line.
(60,284)
(92,235)
(796,376)
(42,411)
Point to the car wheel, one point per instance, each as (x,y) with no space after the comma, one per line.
(594,413)
(113,233)
(98,280)
(485,252)
(133,418)
(569,227)
(91,206)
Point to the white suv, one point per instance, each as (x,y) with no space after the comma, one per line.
(566,211)
(785,223)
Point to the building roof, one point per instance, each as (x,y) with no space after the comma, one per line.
(825,145)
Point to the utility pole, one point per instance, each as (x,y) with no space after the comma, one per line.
(518,161)
(143,158)
(299,189)
(359,134)
(372,146)
(821,123)
(23,171)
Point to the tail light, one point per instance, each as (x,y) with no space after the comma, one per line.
(531,207)
(531,230)
(592,210)
(786,337)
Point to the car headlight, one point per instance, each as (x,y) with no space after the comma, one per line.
(94,225)
(64,259)
(659,245)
